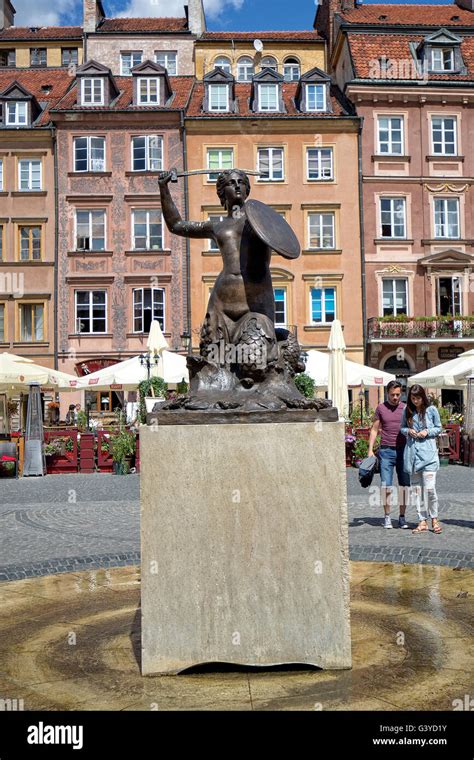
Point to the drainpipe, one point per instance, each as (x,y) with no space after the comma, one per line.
(362,246)
(56,244)
(187,310)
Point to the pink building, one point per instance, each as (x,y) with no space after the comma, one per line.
(409,70)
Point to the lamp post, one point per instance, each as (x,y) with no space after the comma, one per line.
(186,341)
(149,361)
(361,401)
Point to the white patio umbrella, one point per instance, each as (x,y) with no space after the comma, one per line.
(156,340)
(16,374)
(337,376)
(127,375)
(317,367)
(452,374)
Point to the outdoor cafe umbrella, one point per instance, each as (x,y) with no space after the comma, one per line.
(17,372)
(317,366)
(156,340)
(127,375)
(337,376)
(452,374)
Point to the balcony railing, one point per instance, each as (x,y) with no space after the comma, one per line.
(427,328)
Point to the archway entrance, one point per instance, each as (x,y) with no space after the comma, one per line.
(402,371)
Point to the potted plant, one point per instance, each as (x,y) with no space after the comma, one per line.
(305,384)
(123,448)
(81,420)
(7,469)
(150,391)
(361,449)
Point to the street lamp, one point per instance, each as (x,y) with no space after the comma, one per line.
(361,401)
(186,340)
(149,361)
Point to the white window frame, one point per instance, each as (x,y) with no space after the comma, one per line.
(321,177)
(1,180)
(90,210)
(214,88)
(29,188)
(147,101)
(323,289)
(287,65)
(167,53)
(272,152)
(441,67)
(147,138)
(96,99)
(395,310)
(217,171)
(321,214)
(227,67)
(247,68)
(125,70)
(274,87)
(444,202)
(212,245)
(91,306)
(89,139)
(443,141)
(142,289)
(147,222)
(285,305)
(20,111)
(273,66)
(390,129)
(392,212)
(34,339)
(324,91)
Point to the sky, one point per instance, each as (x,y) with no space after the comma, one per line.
(236,15)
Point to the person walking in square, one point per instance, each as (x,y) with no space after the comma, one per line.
(421,425)
(388,418)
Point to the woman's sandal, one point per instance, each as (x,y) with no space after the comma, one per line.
(419,529)
(437,528)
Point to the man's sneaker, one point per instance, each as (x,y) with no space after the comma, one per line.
(402,523)
(387,523)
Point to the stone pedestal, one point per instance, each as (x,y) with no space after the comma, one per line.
(244,545)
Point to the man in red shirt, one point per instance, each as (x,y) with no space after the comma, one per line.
(388,417)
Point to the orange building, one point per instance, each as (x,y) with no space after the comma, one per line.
(288,122)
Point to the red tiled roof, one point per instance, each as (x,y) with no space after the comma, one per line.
(130,25)
(181,87)
(32,81)
(306,34)
(243,93)
(413,15)
(368,48)
(43,33)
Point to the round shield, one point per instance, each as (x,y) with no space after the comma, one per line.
(272,229)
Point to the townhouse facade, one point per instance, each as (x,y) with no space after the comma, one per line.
(409,72)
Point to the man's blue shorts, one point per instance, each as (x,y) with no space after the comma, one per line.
(390,459)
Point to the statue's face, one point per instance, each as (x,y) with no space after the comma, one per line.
(235,191)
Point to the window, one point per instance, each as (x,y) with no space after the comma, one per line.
(214,218)
(245,69)
(149,91)
(319,163)
(148,304)
(90,230)
(16,114)
(128,60)
(270,164)
(92,90)
(390,135)
(38,57)
(29,242)
(268,97)
(147,226)
(442,59)
(31,322)
(219,159)
(222,62)
(323,305)
(443,135)
(269,62)
(89,154)
(2,323)
(449,296)
(168,59)
(280,306)
(321,230)
(91,311)
(69,56)
(395,296)
(1,174)
(29,174)
(315,97)
(7,58)
(147,153)
(392,217)
(218,97)
(291,70)
(2,230)
(446,212)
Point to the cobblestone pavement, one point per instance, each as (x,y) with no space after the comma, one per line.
(75,522)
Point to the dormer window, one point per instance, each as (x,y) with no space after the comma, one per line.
(219,97)
(268,97)
(291,70)
(442,59)
(17,114)
(148,91)
(316,97)
(92,91)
